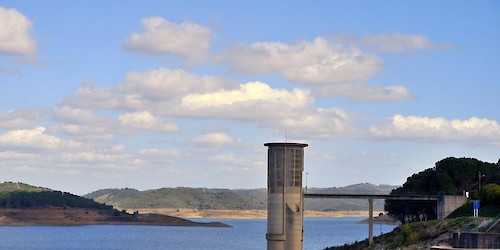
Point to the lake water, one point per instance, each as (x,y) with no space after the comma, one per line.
(245,234)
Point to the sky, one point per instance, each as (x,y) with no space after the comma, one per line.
(151,94)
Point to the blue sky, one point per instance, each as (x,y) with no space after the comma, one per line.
(167,93)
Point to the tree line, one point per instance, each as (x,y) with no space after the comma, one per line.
(26,199)
(450,176)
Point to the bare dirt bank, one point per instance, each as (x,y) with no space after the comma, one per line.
(243,214)
(58,216)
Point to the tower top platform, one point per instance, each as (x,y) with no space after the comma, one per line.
(291,144)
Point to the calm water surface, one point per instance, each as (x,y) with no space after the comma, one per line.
(245,234)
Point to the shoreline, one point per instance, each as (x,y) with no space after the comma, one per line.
(60,216)
(241,214)
(74,216)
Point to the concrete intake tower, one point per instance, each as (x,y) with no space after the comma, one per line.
(285,205)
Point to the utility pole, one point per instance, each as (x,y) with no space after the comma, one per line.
(479,181)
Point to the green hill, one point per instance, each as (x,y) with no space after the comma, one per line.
(19,186)
(450,176)
(181,197)
(204,198)
(22,195)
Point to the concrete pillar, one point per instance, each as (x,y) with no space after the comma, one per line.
(449,203)
(370,221)
(285,164)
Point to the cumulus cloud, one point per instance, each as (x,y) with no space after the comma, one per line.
(360,92)
(319,61)
(216,139)
(187,39)
(155,155)
(144,120)
(83,124)
(86,132)
(77,116)
(165,84)
(15,33)
(114,157)
(164,94)
(472,130)
(252,101)
(88,96)
(321,123)
(20,119)
(33,139)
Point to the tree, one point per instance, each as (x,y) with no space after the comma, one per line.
(450,176)
(490,194)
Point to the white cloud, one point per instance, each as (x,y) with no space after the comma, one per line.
(145,121)
(34,139)
(165,84)
(470,131)
(317,62)
(20,119)
(393,42)
(320,123)
(188,39)
(86,132)
(154,155)
(236,164)
(15,37)
(361,92)
(114,157)
(252,101)
(16,156)
(77,116)
(84,125)
(396,42)
(203,97)
(217,138)
(88,96)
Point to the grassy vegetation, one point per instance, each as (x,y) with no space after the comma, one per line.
(418,235)
(27,199)
(488,210)
(18,186)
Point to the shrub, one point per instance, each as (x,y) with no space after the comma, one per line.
(409,236)
(490,194)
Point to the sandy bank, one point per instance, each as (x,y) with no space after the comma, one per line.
(243,214)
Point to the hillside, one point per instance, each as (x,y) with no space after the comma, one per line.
(63,216)
(450,176)
(418,235)
(19,186)
(225,199)
(23,204)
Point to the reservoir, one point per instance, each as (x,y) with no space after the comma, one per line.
(244,234)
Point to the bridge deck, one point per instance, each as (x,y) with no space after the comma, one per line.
(376,196)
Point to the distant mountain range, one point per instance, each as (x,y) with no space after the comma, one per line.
(236,199)
(218,199)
